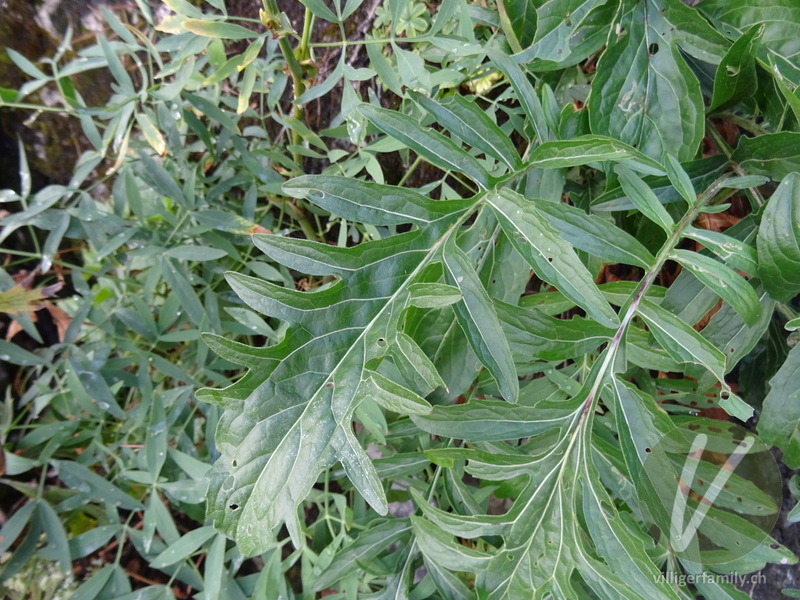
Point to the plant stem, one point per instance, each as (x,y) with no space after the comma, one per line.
(408,172)
(298,87)
(38,107)
(629,308)
(295,70)
(756,200)
(303,49)
(748,126)
(302,218)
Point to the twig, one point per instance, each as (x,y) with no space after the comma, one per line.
(361,30)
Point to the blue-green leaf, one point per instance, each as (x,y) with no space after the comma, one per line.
(549,254)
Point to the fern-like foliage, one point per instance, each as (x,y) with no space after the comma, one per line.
(407,323)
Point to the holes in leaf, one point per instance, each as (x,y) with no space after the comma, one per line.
(693,426)
(724,395)
(234,464)
(652,49)
(233,506)
(330,384)
(549,259)
(715,429)
(648,450)
(381,342)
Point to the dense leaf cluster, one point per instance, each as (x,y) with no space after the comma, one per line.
(465,393)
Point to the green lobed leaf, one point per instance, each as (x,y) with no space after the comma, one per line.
(489,420)
(217,29)
(682,342)
(644,199)
(595,235)
(280,431)
(437,149)
(778,241)
(642,81)
(560,484)
(736,77)
(729,285)
(549,255)
(779,423)
(518,18)
(371,203)
(774,154)
(469,123)
(478,319)
(591,148)
(525,93)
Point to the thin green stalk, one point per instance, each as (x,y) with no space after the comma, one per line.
(756,200)
(748,126)
(296,71)
(630,307)
(298,87)
(299,214)
(38,107)
(408,172)
(303,49)
(305,225)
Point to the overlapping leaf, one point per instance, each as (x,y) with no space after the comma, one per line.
(545,533)
(293,419)
(779,241)
(780,21)
(407,323)
(642,81)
